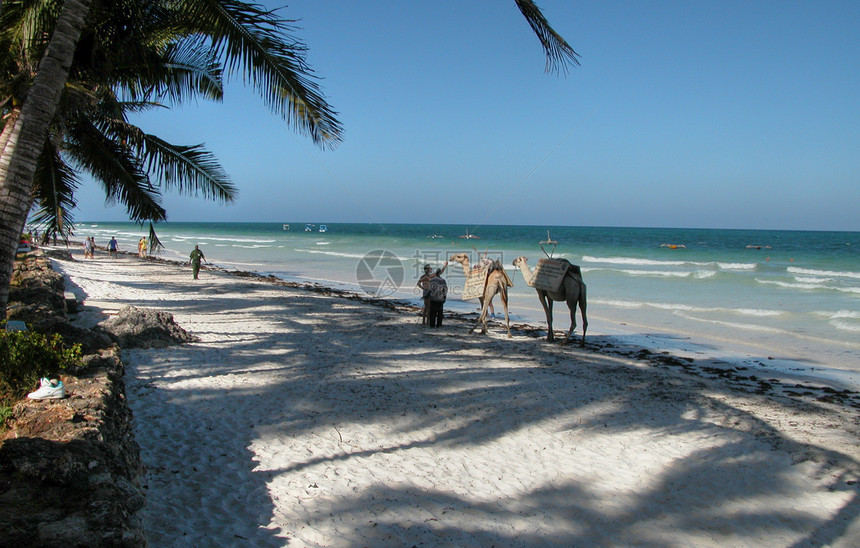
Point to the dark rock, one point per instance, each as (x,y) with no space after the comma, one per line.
(143,328)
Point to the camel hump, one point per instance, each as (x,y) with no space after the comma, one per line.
(497,265)
(571,268)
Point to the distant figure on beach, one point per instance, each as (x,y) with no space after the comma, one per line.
(113,247)
(423,284)
(196,257)
(141,248)
(89,248)
(435,295)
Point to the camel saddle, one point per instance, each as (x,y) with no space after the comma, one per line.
(550,273)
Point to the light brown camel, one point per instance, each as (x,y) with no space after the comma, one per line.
(572,291)
(497,282)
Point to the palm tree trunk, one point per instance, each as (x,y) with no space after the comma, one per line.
(11,118)
(27,137)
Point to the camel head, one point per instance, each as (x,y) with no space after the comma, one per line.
(462,258)
(519,261)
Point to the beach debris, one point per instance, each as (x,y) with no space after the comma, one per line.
(134,327)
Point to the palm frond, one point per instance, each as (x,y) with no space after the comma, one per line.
(27,27)
(155,244)
(256,44)
(53,192)
(559,54)
(188,169)
(176,72)
(116,168)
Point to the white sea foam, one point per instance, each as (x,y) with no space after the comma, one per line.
(823,273)
(666,273)
(675,307)
(737,266)
(812,280)
(632,261)
(843,320)
(184,238)
(810,286)
(331,253)
(790,285)
(735,325)
(635,261)
(842,325)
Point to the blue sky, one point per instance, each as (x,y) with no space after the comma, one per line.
(683,114)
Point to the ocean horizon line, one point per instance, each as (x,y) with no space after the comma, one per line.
(470,227)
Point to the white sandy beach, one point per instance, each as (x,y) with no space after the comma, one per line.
(304,419)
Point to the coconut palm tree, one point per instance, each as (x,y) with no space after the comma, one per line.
(80,36)
(25,128)
(134,49)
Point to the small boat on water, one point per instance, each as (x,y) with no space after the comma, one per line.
(286,227)
(674,246)
(309,227)
(323,228)
(470,236)
(759,247)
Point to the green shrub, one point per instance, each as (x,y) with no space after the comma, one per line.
(26,357)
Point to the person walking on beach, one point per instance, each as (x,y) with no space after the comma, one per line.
(113,247)
(196,257)
(141,248)
(423,284)
(89,248)
(435,294)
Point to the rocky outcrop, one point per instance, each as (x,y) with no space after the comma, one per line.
(36,292)
(70,468)
(134,327)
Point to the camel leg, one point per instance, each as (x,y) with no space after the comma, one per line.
(582,302)
(503,294)
(481,303)
(482,319)
(572,308)
(547,309)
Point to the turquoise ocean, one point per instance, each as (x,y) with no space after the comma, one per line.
(775,300)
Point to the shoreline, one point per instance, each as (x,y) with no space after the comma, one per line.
(711,302)
(802,381)
(309,416)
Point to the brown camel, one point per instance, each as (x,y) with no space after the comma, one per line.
(572,291)
(497,282)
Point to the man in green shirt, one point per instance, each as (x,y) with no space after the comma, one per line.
(196,257)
